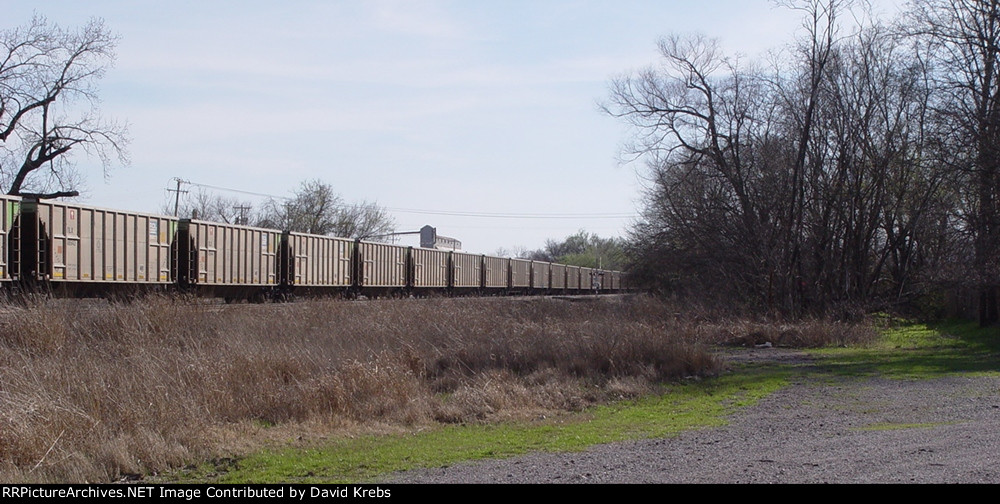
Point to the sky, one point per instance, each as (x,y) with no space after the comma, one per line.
(481,118)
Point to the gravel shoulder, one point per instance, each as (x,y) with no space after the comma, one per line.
(820,429)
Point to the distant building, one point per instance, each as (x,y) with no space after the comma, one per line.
(430,239)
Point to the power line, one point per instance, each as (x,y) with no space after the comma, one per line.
(516,215)
(237,191)
(451,213)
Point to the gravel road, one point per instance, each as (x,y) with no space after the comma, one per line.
(818,430)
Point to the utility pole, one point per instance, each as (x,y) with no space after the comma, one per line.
(178,191)
(242,219)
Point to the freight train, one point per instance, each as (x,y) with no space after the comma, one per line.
(72,250)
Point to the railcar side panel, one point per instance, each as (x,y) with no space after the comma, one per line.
(573,277)
(520,273)
(466,270)
(430,268)
(558,276)
(320,261)
(229,255)
(586,278)
(10,206)
(382,265)
(496,272)
(540,274)
(89,244)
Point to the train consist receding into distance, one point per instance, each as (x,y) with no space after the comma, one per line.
(76,250)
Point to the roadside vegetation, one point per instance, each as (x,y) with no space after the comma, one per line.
(901,349)
(91,391)
(344,391)
(673,409)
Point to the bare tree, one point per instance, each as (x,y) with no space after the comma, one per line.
(317,209)
(312,210)
(807,188)
(517,251)
(363,220)
(702,125)
(48,105)
(204,205)
(962,39)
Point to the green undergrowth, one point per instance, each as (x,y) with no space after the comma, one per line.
(919,351)
(680,407)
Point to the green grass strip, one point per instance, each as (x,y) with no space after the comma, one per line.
(900,426)
(682,407)
(920,351)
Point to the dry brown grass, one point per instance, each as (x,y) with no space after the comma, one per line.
(91,391)
(813,333)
